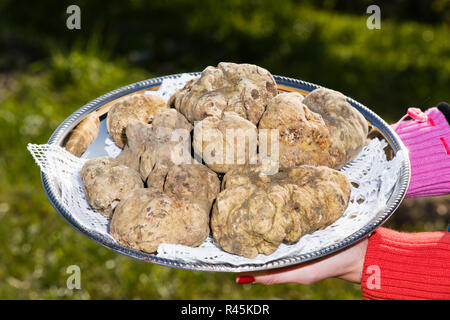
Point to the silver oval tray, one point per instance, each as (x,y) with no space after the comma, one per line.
(284,84)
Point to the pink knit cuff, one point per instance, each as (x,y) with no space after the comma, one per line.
(427,137)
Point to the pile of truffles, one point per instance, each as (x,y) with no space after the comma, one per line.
(200,164)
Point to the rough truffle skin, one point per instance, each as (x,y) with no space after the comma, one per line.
(107,182)
(348,127)
(147,218)
(217,140)
(245,89)
(255,213)
(150,146)
(174,209)
(83,135)
(138,134)
(303,135)
(195,182)
(139,106)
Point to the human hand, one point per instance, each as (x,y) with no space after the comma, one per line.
(425,136)
(346,264)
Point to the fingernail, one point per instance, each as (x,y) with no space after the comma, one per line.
(244,279)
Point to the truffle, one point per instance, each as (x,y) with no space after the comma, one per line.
(139,106)
(147,218)
(83,135)
(225,142)
(175,209)
(159,145)
(245,89)
(107,182)
(348,127)
(303,137)
(255,213)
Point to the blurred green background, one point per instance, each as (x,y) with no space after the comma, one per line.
(48,71)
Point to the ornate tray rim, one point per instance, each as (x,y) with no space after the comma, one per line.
(391,137)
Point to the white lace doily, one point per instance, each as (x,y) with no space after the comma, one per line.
(373,178)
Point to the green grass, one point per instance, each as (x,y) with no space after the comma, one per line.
(388,69)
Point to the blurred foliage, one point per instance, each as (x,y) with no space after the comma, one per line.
(429,11)
(400,65)
(50,71)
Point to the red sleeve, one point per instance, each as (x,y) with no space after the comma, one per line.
(401,265)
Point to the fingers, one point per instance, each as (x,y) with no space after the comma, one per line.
(243,279)
(346,264)
(294,276)
(304,274)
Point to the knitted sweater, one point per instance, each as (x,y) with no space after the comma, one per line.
(402,265)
